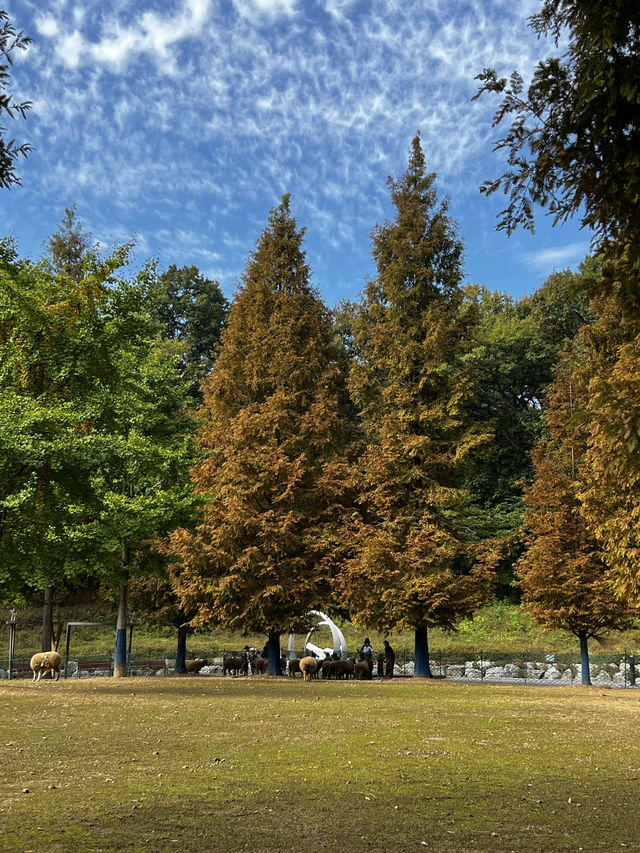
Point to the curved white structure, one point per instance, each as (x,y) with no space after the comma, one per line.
(339,642)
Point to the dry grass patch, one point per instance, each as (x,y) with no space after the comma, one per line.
(262,764)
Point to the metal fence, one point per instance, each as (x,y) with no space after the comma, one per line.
(486,666)
(614,670)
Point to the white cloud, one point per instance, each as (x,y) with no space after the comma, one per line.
(47,26)
(247,8)
(71,48)
(197,111)
(557,257)
(339,9)
(151,33)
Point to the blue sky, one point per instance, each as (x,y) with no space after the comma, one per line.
(182,123)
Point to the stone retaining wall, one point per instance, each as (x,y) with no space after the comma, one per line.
(546,672)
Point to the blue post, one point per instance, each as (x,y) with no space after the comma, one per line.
(422,667)
(181,651)
(584,658)
(120,661)
(273,652)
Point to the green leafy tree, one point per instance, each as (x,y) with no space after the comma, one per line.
(273,434)
(10,40)
(52,355)
(191,310)
(143,483)
(152,596)
(410,562)
(574,137)
(69,247)
(563,573)
(516,345)
(89,408)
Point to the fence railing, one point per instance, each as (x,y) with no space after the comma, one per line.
(614,670)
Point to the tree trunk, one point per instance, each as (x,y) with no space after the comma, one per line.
(273,652)
(422,666)
(181,651)
(120,663)
(584,658)
(47,618)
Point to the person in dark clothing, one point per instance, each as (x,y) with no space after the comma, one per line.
(390,659)
(367,654)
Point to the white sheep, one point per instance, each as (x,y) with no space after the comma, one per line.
(44,662)
(308,668)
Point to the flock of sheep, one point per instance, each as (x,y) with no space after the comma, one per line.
(44,663)
(307,666)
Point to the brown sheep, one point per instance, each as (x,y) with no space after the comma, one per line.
(258,666)
(308,668)
(43,662)
(344,668)
(235,665)
(195,665)
(361,669)
(328,668)
(294,666)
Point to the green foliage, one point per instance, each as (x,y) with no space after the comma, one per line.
(515,348)
(191,310)
(68,248)
(574,138)
(10,40)
(87,402)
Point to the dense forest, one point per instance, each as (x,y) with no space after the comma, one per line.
(402,459)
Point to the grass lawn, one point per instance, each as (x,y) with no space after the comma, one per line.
(261,764)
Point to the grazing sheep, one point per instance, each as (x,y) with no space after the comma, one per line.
(294,666)
(344,668)
(328,668)
(361,669)
(43,662)
(195,665)
(258,666)
(235,665)
(308,668)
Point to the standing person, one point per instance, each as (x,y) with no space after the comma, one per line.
(367,654)
(390,658)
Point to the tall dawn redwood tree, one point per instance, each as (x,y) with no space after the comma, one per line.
(409,563)
(272,423)
(563,573)
(610,488)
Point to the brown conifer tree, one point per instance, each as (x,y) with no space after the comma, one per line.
(272,426)
(563,574)
(409,564)
(610,487)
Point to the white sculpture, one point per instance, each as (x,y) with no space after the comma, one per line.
(339,642)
